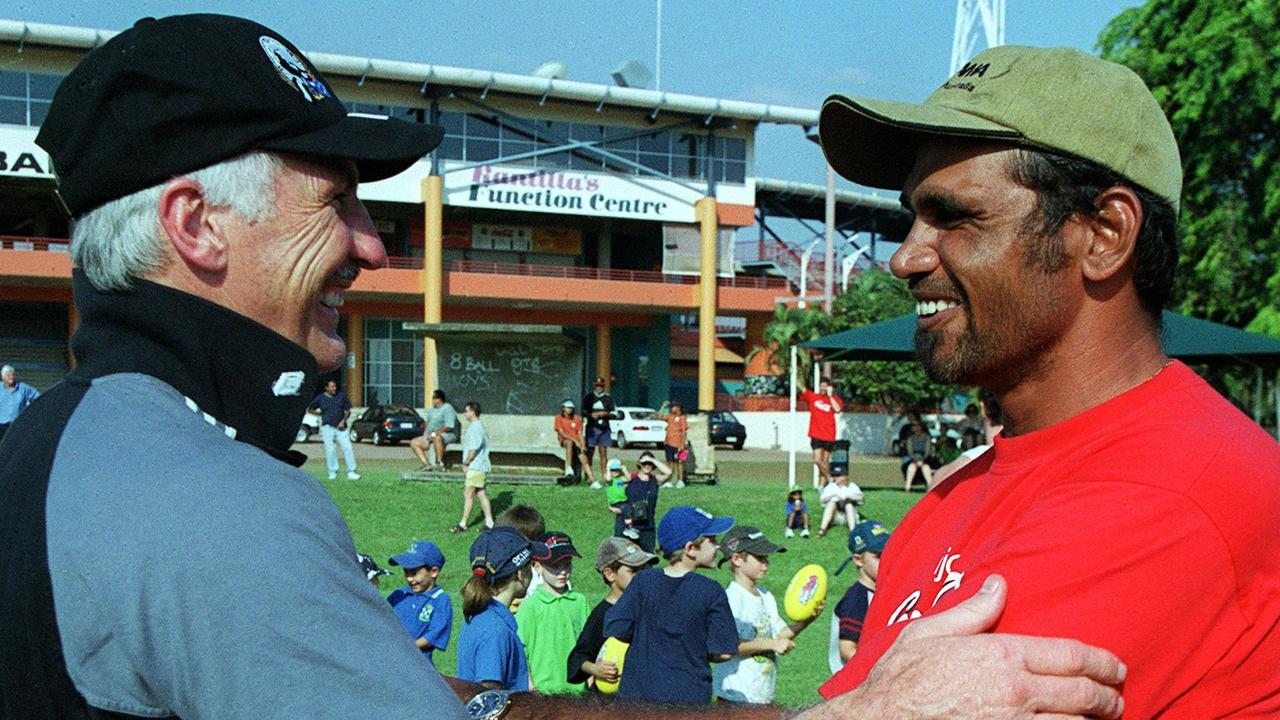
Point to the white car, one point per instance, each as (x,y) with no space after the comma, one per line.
(636,425)
(310,426)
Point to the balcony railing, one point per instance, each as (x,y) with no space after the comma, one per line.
(569,272)
(41,244)
(10,242)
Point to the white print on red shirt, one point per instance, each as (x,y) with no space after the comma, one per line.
(942,573)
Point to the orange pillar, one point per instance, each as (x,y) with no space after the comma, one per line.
(355,349)
(432,276)
(604,353)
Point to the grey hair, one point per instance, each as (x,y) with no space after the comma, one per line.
(122,240)
(6,370)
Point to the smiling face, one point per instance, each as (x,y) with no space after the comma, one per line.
(421,579)
(297,264)
(989,309)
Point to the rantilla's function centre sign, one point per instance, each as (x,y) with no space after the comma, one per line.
(19,154)
(505,187)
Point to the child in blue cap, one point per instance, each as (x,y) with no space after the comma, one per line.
(866,541)
(677,621)
(424,608)
(490,651)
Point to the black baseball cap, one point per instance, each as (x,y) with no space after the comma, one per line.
(551,547)
(175,95)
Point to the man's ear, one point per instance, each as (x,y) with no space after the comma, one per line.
(1112,233)
(191,227)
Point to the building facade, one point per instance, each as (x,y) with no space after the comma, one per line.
(562,230)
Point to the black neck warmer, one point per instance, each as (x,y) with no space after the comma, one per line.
(242,373)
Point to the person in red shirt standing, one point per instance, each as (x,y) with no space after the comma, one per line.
(823,406)
(1044,186)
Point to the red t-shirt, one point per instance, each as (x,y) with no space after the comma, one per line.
(1147,525)
(822,415)
(569,427)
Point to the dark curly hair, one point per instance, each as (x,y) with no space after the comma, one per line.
(1065,186)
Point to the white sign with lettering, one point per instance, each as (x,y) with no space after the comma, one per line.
(19,154)
(572,192)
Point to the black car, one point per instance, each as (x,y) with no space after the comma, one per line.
(726,430)
(387,424)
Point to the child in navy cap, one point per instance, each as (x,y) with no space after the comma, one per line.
(677,621)
(424,608)
(372,571)
(490,651)
(866,541)
(551,617)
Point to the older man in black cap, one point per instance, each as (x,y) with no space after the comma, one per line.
(212,173)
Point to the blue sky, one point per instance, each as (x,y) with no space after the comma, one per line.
(780,51)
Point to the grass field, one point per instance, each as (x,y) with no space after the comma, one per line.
(386,514)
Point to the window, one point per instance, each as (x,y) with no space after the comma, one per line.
(477,138)
(392,364)
(25,97)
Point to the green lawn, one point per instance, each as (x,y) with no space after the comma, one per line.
(386,514)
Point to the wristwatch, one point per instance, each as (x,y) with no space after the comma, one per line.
(489,705)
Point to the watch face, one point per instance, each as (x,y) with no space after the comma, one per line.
(487,705)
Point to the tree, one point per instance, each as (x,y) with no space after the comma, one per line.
(872,296)
(1211,64)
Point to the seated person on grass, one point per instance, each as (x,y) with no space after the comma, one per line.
(866,542)
(551,617)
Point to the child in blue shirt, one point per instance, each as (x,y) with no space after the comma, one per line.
(423,607)
(677,621)
(490,651)
(797,514)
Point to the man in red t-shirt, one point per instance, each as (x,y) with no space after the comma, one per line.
(823,406)
(1044,186)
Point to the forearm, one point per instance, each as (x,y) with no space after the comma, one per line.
(423,644)
(747,648)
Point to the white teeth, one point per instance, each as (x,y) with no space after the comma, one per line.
(930,307)
(333,299)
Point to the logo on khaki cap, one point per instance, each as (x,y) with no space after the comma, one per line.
(1056,99)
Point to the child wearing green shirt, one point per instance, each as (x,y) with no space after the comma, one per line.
(551,617)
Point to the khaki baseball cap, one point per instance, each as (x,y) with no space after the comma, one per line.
(1057,99)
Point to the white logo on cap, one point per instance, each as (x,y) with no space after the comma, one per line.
(293,70)
(289,383)
(703,513)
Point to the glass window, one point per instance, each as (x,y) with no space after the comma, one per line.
(451,147)
(481,127)
(13,112)
(734,171)
(658,162)
(585,161)
(733,148)
(557,133)
(655,143)
(13,84)
(589,133)
(452,122)
(479,150)
(43,86)
(511,147)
